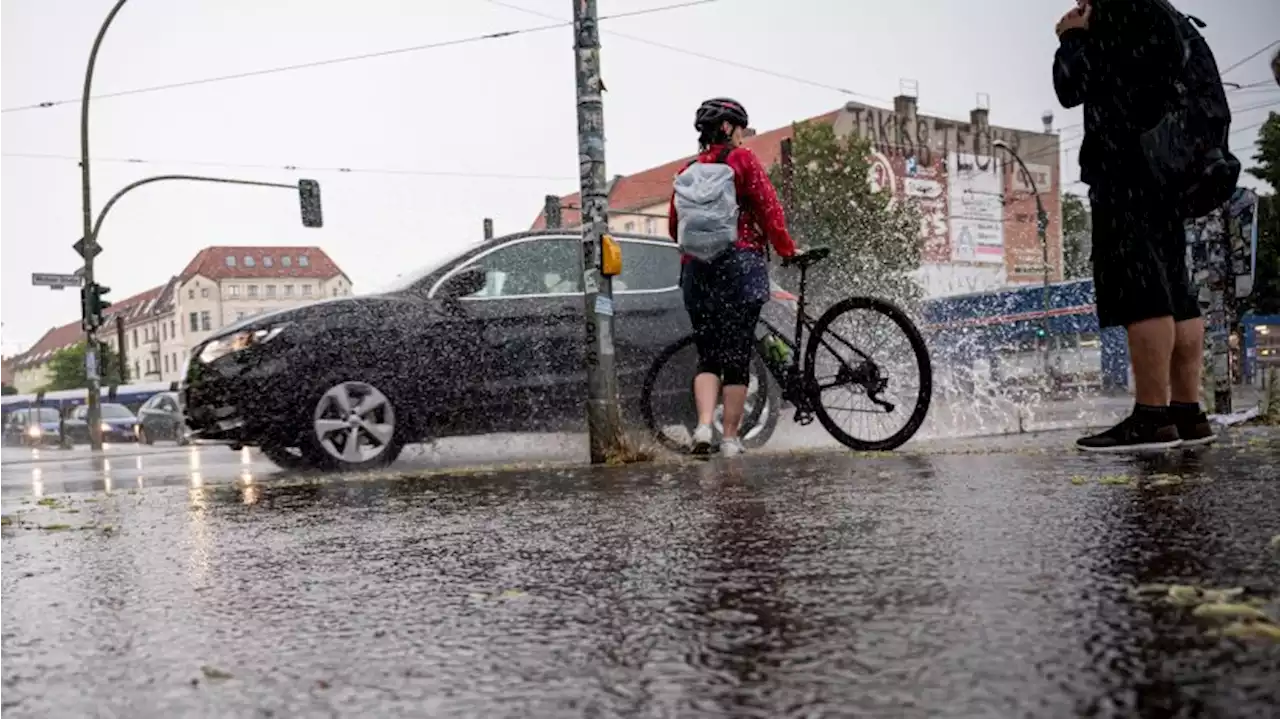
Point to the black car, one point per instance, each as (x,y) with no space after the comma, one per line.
(160,418)
(491,340)
(117,424)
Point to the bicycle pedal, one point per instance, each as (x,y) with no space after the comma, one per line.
(804,418)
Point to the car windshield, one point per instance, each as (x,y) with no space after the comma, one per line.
(44,414)
(115,411)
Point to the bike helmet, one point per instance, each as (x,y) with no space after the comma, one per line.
(717,110)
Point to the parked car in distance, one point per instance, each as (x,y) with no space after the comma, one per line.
(489,340)
(160,419)
(117,421)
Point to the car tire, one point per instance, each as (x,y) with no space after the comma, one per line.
(287,458)
(144,437)
(348,410)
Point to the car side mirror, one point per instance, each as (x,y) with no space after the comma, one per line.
(467,281)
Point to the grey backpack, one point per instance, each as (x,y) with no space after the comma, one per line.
(706,208)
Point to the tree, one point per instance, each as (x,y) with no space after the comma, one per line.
(67,368)
(875,242)
(8,389)
(1077,233)
(1265,298)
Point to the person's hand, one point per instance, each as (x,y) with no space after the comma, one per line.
(1075,18)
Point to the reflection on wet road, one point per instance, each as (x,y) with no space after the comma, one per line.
(939,585)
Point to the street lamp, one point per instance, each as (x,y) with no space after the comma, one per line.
(1042,229)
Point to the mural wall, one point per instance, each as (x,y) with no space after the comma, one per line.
(978,221)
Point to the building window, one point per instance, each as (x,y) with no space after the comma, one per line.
(650,226)
(248,261)
(148,365)
(335,291)
(253,290)
(271,290)
(204,291)
(191,294)
(205,321)
(163,331)
(286,261)
(231,261)
(234,290)
(303,261)
(288,290)
(135,339)
(173,328)
(266,261)
(137,370)
(629,227)
(195,322)
(166,363)
(239,315)
(306,290)
(176,366)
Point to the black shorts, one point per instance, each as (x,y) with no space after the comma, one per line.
(1139,258)
(724,300)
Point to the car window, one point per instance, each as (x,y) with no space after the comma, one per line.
(531,267)
(152,403)
(115,411)
(167,405)
(80,412)
(648,266)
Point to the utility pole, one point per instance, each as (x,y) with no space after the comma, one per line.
(488,228)
(90,242)
(122,354)
(604,421)
(1042,230)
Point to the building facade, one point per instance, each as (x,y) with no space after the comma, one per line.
(978,224)
(218,287)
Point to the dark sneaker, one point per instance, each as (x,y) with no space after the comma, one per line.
(1194,429)
(1132,435)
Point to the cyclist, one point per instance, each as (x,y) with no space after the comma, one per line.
(723,210)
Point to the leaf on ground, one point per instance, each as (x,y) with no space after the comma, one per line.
(1149,590)
(1114,479)
(1225,610)
(55,527)
(1275,542)
(48,502)
(211,672)
(1249,630)
(6,520)
(512,594)
(1079,479)
(1222,595)
(1183,595)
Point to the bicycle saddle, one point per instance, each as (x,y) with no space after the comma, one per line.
(806,258)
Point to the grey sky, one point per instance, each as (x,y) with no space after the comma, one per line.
(502,106)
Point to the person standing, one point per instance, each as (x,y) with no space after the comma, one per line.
(1120,59)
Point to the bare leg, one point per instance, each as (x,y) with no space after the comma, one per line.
(735,403)
(1188,361)
(1151,352)
(706,395)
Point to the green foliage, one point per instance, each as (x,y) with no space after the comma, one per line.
(8,389)
(875,243)
(1265,298)
(66,368)
(1077,229)
(1268,153)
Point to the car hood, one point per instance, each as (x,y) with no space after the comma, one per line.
(318,310)
(124,421)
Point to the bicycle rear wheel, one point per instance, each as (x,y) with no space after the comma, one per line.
(868,375)
(670,413)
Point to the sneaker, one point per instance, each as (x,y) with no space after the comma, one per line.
(702,437)
(1132,435)
(1194,429)
(731,447)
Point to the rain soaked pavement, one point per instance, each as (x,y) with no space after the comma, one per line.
(1004,577)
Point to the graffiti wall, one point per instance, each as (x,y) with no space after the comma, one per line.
(978,212)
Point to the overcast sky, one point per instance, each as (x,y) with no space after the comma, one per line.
(497,107)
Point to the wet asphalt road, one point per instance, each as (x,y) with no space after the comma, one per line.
(993,579)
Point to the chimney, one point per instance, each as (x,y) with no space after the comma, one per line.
(904,105)
(980,116)
(749,132)
(1047,119)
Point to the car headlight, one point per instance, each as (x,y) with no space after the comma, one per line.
(223,346)
(105,427)
(34,431)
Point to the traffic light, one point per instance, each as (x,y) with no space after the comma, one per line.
(93,304)
(309,198)
(1040,332)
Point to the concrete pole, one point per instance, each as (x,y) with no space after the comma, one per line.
(604,421)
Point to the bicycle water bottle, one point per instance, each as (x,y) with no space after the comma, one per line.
(775,350)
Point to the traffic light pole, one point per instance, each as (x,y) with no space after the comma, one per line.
(604,421)
(1042,229)
(90,241)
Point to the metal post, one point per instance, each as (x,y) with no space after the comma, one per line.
(604,421)
(488,228)
(551,209)
(1042,229)
(90,241)
(1221,293)
(122,355)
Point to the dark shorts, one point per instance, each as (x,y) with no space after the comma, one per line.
(724,300)
(1139,258)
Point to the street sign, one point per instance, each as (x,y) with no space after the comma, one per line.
(79,247)
(57,282)
(90,365)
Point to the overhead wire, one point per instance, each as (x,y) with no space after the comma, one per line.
(351,58)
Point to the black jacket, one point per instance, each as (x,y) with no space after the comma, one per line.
(1122,70)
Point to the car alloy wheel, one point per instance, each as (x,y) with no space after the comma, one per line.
(355,425)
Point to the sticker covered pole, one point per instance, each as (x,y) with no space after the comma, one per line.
(604,421)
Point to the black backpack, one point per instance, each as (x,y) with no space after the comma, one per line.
(1188,149)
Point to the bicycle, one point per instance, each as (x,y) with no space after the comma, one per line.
(789,376)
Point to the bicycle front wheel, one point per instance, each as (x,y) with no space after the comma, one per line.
(671,415)
(847,361)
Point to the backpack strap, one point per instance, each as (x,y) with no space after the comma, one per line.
(724,154)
